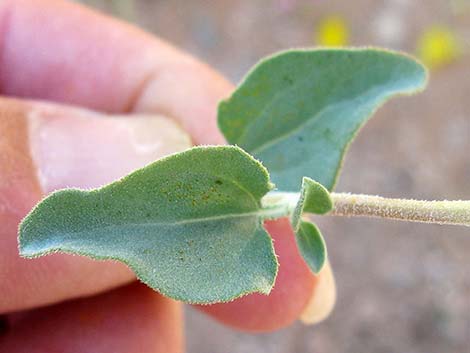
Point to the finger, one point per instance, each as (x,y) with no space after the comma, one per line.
(129,319)
(289,297)
(44,147)
(64,52)
(323,298)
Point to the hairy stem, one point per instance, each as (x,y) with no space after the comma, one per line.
(440,212)
(279,204)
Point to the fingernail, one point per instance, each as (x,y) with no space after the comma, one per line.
(323,298)
(79,148)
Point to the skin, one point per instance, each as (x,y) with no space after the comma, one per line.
(61,52)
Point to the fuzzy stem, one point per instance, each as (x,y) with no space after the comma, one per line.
(440,212)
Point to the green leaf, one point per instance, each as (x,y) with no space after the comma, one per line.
(314,198)
(190,225)
(311,246)
(299,110)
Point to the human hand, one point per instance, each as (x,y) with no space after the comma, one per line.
(61,52)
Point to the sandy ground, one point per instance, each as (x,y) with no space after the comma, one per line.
(401,287)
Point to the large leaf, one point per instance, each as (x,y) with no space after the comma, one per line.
(299,110)
(189,225)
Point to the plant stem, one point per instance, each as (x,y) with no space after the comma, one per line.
(279,204)
(439,212)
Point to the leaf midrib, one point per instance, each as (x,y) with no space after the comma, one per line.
(259,213)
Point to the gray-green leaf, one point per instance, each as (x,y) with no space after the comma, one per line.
(299,110)
(311,246)
(189,225)
(314,198)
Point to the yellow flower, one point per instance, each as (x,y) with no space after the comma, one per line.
(437,47)
(332,31)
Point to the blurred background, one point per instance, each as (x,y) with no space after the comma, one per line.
(401,287)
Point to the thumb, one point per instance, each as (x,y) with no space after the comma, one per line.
(74,147)
(44,147)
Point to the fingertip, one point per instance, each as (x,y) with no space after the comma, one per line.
(322,299)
